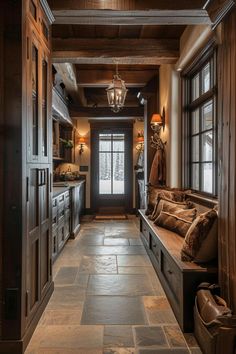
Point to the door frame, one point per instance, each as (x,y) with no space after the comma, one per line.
(108,126)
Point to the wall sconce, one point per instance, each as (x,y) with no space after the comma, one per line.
(158,121)
(82,143)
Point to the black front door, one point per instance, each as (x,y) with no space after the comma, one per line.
(111,185)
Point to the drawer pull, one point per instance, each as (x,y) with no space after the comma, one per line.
(154,246)
(169,271)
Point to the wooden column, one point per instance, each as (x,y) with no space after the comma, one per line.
(227,159)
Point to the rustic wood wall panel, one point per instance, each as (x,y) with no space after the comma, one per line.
(227,159)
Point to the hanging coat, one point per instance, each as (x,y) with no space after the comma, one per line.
(158,169)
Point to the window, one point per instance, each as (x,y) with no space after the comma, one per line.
(111,163)
(200,126)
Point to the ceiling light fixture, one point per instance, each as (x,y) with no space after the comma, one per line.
(116,92)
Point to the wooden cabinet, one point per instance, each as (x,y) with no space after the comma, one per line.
(67,209)
(39,158)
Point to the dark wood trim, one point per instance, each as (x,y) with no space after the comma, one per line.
(227,160)
(218,9)
(105,112)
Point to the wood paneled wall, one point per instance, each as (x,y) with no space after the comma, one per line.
(227,158)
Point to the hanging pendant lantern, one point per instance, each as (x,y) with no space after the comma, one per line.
(116,93)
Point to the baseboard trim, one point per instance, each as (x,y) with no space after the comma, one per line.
(75,232)
(18,346)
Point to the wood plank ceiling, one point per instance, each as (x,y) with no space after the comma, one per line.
(89,37)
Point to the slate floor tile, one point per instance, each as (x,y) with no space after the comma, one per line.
(152,336)
(66,297)
(118,336)
(162,351)
(114,310)
(72,337)
(175,336)
(66,275)
(113,250)
(119,351)
(62,317)
(111,241)
(120,284)
(133,261)
(98,264)
(158,310)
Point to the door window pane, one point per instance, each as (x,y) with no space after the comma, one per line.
(118,142)
(104,142)
(104,173)
(195,148)
(118,173)
(207,146)
(207,177)
(195,177)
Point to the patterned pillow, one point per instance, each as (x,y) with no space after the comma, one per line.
(178,221)
(201,241)
(161,201)
(157,192)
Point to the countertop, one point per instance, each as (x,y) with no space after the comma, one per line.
(62,187)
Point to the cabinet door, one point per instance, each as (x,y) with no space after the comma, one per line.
(39,236)
(45,228)
(38,93)
(33,242)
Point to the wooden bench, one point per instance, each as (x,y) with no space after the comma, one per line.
(179,279)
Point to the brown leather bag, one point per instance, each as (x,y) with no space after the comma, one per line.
(214,324)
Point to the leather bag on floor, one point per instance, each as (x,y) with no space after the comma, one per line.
(214,324)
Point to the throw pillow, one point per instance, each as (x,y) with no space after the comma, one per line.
(201,241)
(171,203)
(179,221)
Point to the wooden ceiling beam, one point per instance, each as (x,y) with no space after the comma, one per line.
(126,4)
(67,72)
(134,17)
(101,78)
(105,112)
(110,51)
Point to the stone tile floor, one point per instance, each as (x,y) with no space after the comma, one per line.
(108,299)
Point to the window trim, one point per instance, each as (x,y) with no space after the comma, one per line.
(208,53)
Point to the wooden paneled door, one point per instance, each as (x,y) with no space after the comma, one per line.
(39,272)
(111,184)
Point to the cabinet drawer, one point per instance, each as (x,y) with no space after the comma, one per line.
(61,236)
(155,247)
(54,221)
(67,199)
(54,243)
(145,232)
(172,275)
(61,200)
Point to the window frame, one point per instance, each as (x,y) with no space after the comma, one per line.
(208,54)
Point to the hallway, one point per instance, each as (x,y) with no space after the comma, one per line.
(107,298)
